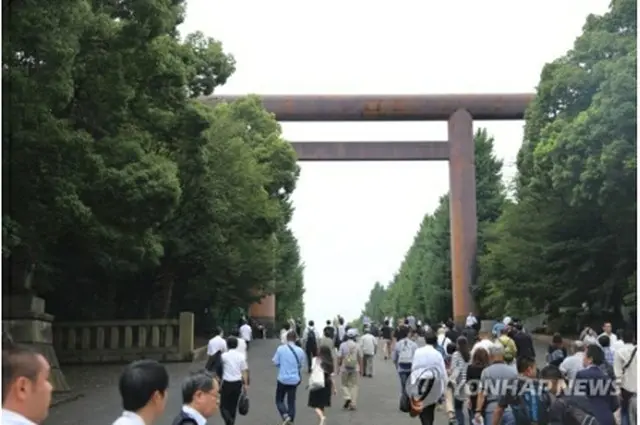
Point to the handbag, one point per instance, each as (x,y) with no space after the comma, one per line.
(316,378)
(405,403)
(243,404)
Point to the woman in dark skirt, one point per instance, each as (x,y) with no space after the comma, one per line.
(321,398)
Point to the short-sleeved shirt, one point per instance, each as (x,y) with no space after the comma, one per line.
(246,332)
(494,378)
(217,343)
(344,350)
(233,364)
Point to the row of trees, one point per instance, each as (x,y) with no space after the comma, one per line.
(124,196)
(566,235)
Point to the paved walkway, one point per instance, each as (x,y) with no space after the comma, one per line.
(377,404)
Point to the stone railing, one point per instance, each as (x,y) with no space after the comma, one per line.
(121,341)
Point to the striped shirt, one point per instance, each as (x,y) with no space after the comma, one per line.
(608,355)
(458,373)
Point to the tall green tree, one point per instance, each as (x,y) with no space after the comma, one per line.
(374,307)
(289,283)
(125,196)
(571,235)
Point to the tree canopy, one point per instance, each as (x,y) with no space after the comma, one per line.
(568,236)
(124,196)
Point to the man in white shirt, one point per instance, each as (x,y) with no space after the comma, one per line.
(199,398)
(625,366)
(246,333)
(26,390)
(217,343)
(143,389)
(216,346)
(368,344)
(607,330)
(428,364)
(619,340)
(242,346)
(485,342)
(443,341)
(283,333)
(235,380)
(575,362)
(471,320)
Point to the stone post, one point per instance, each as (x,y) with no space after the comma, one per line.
(185,345)
(24,319)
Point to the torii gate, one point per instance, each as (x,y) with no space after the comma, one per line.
(458,110)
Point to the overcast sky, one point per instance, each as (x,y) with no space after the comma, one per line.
(356,220)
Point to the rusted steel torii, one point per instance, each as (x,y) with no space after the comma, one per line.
(458,109)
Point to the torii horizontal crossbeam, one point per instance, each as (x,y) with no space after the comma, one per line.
(390,107)
(372,151)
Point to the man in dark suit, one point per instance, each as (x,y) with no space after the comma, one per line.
(593,383)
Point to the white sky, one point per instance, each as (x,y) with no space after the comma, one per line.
(355,221)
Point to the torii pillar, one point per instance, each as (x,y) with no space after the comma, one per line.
(462,213)
(458,110)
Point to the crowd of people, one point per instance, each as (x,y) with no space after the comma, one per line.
(491,378)
(476,377)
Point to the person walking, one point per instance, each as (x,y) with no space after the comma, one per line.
(199,399)
(368,345)
(320,399)
(387,335)
(310,339)
(289,359)
(402,356)
(235,380)
(458,377)
(246,333)
(428,377)
(350,362)
(143,390)
(625,366)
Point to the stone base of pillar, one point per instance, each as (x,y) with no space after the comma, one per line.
(24,320)
(269,324)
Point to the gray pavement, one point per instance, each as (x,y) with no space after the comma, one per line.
(377,404)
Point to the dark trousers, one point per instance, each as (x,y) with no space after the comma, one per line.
(229,396)
(310,355)
(404,376)
(286,408)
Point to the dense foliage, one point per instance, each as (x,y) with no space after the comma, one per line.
(124,196)
(569,235)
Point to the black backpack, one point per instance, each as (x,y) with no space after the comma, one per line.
(312,344)
(331,331)
(214,364)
